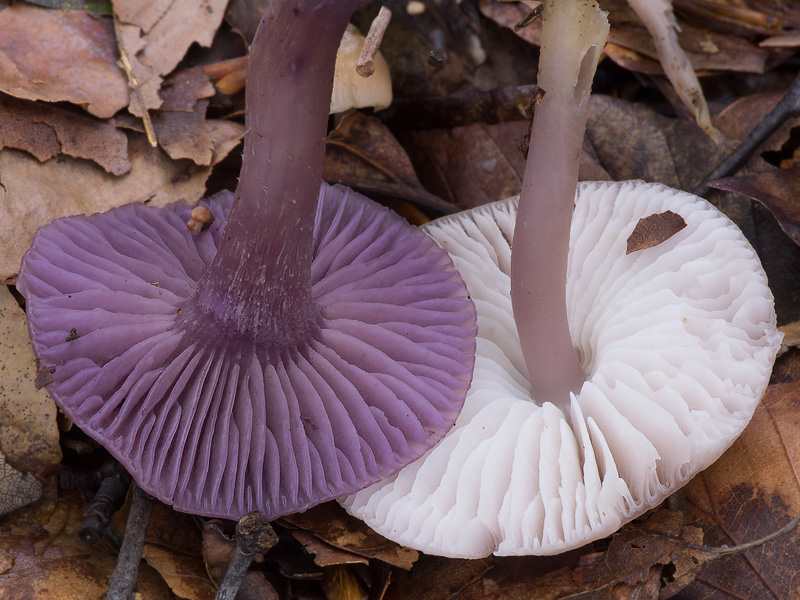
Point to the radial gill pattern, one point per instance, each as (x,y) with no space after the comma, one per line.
(677,340)
(217,426)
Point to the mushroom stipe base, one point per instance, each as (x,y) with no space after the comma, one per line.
(677,341)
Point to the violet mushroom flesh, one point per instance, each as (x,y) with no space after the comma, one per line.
(604,380)
(308,343)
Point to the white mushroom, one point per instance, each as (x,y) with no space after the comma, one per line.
(678,342)
(661,355)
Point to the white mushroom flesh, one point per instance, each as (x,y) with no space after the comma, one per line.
(677,340)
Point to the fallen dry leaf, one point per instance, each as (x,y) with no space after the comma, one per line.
(777,189)
(180,123)
(471,165)
(752,491)
(707,50)
(185,575)
(511,14)
(16,489)
(42,558)
(184,134)
(47,130)
(362,153)
(762,18)
(791,337)
(61,56)
(256,587)
(632,141)
(33,193)
(341,583)
(329,522)
(28,431)
(324,554)
(156,36)
(217,548)
(653,230)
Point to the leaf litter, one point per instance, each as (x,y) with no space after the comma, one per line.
(461,76)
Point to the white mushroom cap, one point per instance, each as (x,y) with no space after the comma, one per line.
(677,340)
(351,90)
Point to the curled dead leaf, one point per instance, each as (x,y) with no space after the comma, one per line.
(362,153)
(60,56)
(776,189)
(329,522)
(156,36)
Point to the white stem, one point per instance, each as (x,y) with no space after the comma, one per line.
(573,36)
(660,21)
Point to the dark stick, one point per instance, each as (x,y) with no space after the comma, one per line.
(788,107)
(122,585)
(107,501)
(253,534)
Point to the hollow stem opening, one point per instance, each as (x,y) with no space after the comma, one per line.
(259,284)
(573,35)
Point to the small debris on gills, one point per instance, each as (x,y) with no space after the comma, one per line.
(653,230)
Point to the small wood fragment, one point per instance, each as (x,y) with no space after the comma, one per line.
(200,219)
(136,88)
(653,230)
(532,16)
(366,60)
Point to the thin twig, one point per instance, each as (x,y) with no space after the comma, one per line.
(366,60)
(254,535)
(532,16)
(108,499)
(788,107)
(134,84)
(122,585)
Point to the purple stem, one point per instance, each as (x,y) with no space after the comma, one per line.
(259,284)
(573,35)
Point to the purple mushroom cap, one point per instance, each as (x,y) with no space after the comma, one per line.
(220,424)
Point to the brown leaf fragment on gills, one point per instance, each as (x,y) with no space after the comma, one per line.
(654,230)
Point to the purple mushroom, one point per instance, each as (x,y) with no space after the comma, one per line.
(307,344)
